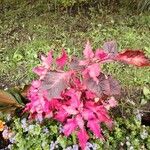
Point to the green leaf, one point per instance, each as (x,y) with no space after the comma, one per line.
(143,102)
(146,91)
(17,96)
(74,139)
(62,141)
(54,129)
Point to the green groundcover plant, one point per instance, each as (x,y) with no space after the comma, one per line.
(76,95)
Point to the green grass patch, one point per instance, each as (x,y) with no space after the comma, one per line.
(27,29)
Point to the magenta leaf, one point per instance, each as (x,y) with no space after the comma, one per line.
(83,137)
(88,53)
(101,54)
(69,127)
(61,115)
(110,48)
(95,127)
(54,83)
(136,58)
(62,60)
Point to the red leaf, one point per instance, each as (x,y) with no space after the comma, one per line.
(62,60)
(54,104)
(88,53)
(55,82)
(136,58)
(83,137)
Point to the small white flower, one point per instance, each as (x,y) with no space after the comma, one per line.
(128,143)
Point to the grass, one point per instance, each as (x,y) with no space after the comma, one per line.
(28,29)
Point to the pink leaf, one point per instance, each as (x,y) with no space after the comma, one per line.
(83,137)
(36,83)
(80,121)
(88,53)
(77,84)
(46,61)
(112,102)
(62,60)
(94,71)
(87,114)
(70,110)
(75,97)
(69,127)
(136,58)
(95,127)
(55,82)
(102,114)
(41,71)
(83,62)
